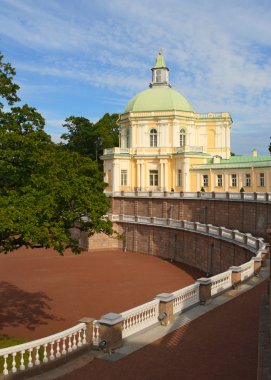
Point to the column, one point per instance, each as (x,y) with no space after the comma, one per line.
(115,179)
(186,183)
(166,176)
(138,182)
(142,175)
(226,178)
(161,175)
(198,184)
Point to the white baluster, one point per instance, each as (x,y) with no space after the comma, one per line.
(45,357)
(30,363)
(74,346)
(64,346)
(22,366)
(58,354)
(5,372)
(79,338)
(14,368)
(37,357)
(69,344)
(52,356)
(84,336)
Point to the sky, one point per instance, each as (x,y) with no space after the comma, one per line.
(88,57)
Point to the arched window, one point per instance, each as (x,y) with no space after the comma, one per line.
(182,137)
(153,138)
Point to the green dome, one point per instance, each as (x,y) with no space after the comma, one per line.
(158,98)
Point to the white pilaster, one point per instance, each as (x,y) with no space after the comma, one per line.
(115,179)
(186,183)
(162,185)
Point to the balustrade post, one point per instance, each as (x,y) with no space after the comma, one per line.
(111,331)
(236,276)
(166,315)
(257,264)
(205,290)
(89,331)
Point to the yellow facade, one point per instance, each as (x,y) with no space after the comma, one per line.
(165,145)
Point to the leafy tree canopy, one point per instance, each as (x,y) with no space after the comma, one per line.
(45,189)
(90,139)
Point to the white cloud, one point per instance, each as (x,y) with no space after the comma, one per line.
(219,53)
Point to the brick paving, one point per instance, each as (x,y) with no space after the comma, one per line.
(222,344)
(43,293)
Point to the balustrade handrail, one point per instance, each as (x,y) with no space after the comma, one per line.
(228,196)
(188,288)
(250,242)
(138,309)
(42,341)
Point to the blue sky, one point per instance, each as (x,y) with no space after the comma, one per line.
(89,57)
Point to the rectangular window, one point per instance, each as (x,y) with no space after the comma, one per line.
(248,180)
(219,180)
(205,180)
(261,179)
(153,177)
(233,180)
(180,178)
(123,180)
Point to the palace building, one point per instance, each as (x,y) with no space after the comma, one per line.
(165,145)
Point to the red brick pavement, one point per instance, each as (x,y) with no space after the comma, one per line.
(221,345)
(43,293)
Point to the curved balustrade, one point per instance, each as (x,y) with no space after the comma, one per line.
(185,298)
(245,239)
(247,270)
(221,282)
(139,318)
(51,347)
(135,320)
(247,197)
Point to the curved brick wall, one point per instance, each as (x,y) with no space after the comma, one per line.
(253,217)
(203,252)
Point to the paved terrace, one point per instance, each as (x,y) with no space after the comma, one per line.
(215,341)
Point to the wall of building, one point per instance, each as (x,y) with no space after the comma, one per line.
(206,253)
(252,217)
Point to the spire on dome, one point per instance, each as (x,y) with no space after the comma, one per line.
(160,60)
(160,71)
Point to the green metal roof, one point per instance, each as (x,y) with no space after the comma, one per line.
(237,162)
(158,98)
(160,61)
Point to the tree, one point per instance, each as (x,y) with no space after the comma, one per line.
(45,189)
(269,148)
(90,139)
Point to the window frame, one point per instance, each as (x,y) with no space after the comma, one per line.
(153,138)
(233,180)
(153,177)
(179,178)
(124,177)
(248,179)
(182,137)
(261,180)
(219,180)
(205,180)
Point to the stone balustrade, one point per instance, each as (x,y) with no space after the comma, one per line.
(247,197)
(111,329)
(52,347)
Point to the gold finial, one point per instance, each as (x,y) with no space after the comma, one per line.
(160,51)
